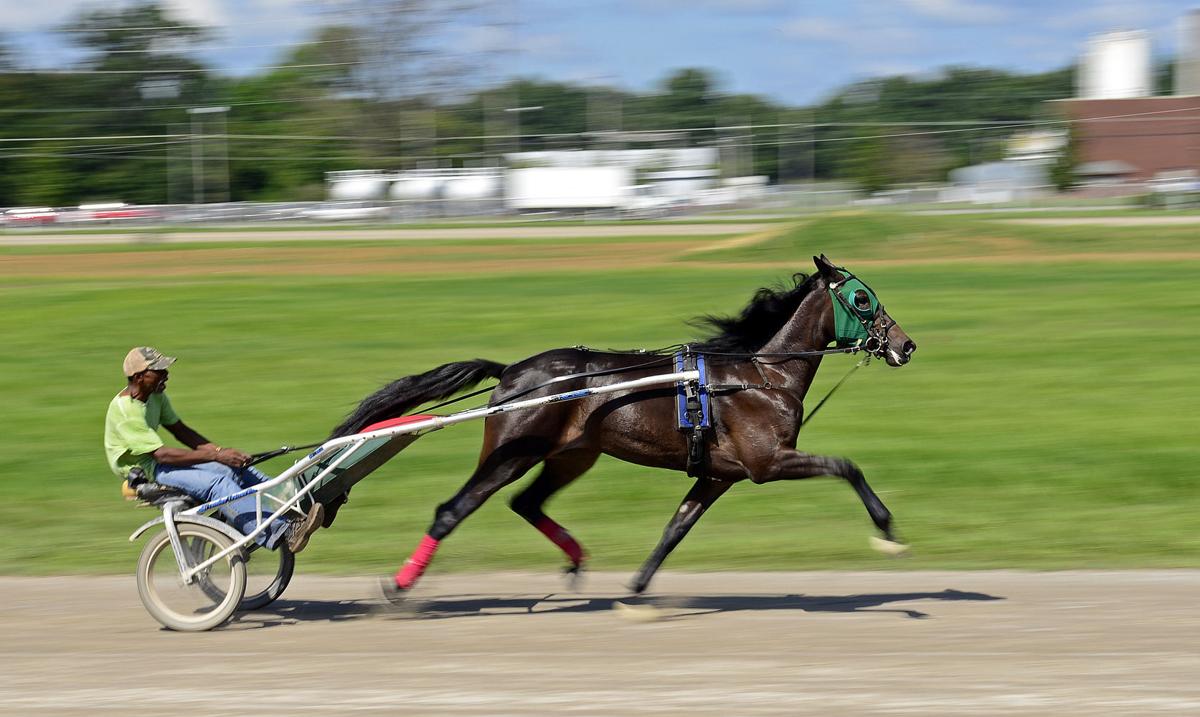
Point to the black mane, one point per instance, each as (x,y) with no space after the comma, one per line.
(759,320)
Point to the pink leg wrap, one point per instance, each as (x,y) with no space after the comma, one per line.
(415,566)
(560,537)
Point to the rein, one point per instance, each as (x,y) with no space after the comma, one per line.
(866,359)
(866,338)
(766,385)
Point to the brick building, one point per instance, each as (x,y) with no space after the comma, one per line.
(1148,134)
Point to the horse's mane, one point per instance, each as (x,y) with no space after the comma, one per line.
(761,319)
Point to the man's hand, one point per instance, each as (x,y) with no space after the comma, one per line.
(231,457)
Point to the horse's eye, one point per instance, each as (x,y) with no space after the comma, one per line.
(861,300)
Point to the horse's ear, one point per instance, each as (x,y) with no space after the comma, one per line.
(826,267)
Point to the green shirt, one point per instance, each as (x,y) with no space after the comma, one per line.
(129,432)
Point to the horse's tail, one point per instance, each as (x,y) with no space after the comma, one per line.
(405,394)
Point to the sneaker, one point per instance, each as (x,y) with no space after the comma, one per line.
(299,529)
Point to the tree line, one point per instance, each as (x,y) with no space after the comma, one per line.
(337,102)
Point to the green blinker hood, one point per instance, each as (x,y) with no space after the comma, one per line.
(849,320)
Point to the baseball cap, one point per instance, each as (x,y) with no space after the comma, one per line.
(144,358)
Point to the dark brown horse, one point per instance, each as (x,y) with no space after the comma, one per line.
(765,358)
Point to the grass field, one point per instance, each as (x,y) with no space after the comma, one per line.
(1048,419)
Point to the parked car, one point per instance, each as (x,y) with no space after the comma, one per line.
(345,212)
(109,212)
(30,216)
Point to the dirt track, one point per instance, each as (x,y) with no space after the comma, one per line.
(382,234)
(888,643)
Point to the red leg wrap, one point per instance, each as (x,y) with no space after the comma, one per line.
(415,566)
(560,537)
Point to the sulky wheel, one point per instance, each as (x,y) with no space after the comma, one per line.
(268,573)
(213,595)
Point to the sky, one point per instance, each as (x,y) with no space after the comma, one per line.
(791,51)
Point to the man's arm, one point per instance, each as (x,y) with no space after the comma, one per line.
(187,435)
(202,450)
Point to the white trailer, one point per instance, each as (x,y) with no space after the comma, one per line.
(546,188)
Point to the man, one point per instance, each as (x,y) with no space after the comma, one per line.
(203,470)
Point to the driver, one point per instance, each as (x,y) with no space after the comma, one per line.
(203,470)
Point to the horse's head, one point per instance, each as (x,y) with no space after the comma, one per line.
(859,317)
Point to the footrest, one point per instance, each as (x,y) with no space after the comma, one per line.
(158,495)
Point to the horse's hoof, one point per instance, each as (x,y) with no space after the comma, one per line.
(573,574)
(637,613)
(394,599)
(888,547)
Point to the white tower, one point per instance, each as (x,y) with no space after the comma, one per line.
(1187,58)
(1115,65)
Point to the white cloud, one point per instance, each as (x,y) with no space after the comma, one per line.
(815,28)
(45,15)
(546,46)
(958,11)
(1111,15)
(1027,41)
(888,69)
(487,38)
(864,40)
(200,12)
(722,5)
(745,5)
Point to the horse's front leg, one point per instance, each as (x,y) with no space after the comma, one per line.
(787,464)
(702,495)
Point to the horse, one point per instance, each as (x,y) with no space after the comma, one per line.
(766,357)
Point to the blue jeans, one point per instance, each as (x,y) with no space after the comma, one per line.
(210,481)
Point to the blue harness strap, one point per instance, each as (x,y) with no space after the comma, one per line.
(681,398)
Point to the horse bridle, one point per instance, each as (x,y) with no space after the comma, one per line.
(876,341)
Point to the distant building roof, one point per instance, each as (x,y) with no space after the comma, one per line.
(1105,168)
(1010,174)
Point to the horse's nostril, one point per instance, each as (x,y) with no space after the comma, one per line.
(909,347)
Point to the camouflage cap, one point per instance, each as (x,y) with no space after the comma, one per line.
(144,358)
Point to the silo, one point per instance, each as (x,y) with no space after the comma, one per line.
(473,187)
(1116,65)
(365,187)
(417,188)
(1187,58)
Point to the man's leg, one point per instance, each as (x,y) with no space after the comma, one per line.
(210,481)
(301,528)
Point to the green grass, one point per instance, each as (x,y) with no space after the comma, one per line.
(1003,213)
(847,236)
(1047,421)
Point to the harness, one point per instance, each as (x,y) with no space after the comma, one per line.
(694,409)
(856,310)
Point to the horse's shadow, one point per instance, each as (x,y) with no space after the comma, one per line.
(675,607)
(667,607)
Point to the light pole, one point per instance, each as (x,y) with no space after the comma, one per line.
(162,88)
(198,152)
(516,113)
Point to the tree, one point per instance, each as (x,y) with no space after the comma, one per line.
(893,105)
(8,59)
(1062,171)
(406,65)
(133,53)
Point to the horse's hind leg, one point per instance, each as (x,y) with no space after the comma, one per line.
(557,473)
(499,468)
(702,495)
